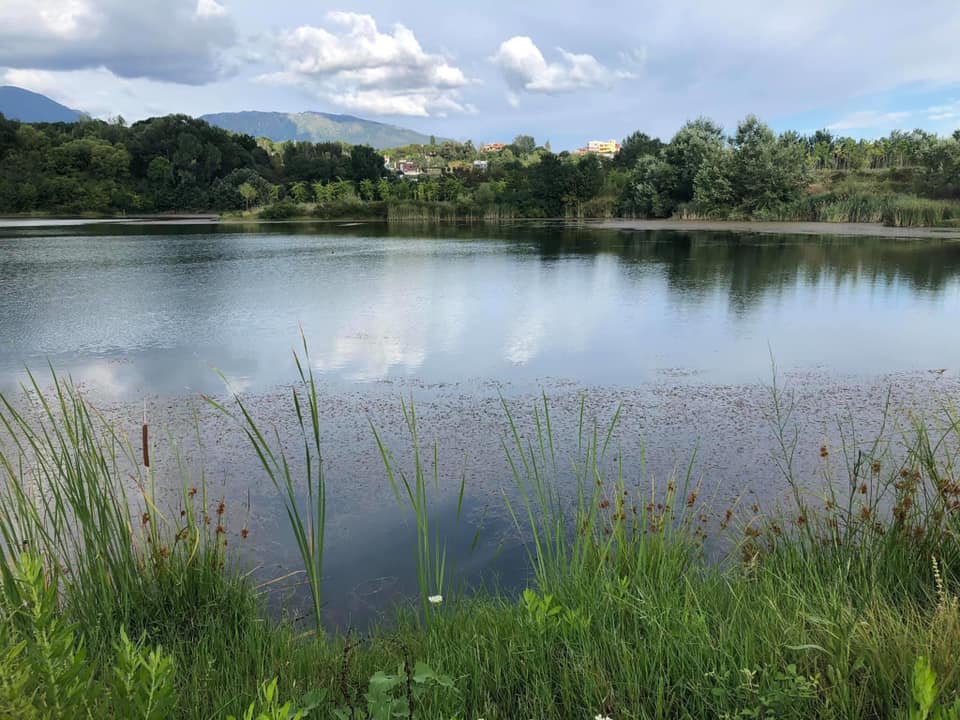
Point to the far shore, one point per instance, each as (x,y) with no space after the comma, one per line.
(782,228)
(740,226)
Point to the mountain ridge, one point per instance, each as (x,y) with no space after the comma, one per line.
(16,103)
(317,126)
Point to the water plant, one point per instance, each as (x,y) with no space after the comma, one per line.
(307,520)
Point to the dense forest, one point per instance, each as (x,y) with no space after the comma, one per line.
(180,164)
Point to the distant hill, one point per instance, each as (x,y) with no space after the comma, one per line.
(25,106)
(317,127)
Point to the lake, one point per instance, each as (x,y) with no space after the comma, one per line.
(676,328)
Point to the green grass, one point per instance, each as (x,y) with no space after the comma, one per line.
(842,605)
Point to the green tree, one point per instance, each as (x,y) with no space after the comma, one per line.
(766,172)
(249,194)
(299,192)
(693,143)
(650,191)
(368,190)
(635,146)
(713,191)
(384,189)
(523,145)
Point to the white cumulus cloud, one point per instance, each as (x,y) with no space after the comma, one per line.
(525,68)
(359,67)
(210,8)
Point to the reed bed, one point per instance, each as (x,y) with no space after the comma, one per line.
(842,604)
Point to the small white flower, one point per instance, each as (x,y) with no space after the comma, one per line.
(435,599)
(602,717)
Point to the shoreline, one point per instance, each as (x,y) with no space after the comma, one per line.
(733,226)
(781,227)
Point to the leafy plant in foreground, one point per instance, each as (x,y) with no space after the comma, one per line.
(924,692)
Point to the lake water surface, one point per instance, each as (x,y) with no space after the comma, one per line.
(676,327)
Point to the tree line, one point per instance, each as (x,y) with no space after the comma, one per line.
(164,164)
(177,163)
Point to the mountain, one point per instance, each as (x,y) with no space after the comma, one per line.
(25,106)
(317,127)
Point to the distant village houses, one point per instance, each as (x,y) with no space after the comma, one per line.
(493,147)
(408,169)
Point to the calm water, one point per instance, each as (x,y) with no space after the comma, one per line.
(138,309)
(676,326)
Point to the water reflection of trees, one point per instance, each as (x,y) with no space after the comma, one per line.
(749,267)
(695,264)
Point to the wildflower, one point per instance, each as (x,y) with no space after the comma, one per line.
(244,533)
(602,717)
(435,599)
(691,498)
(221,530)
(875,467)
(221,508)
(145,518)
(863,488)
(192,491)
(823,451)
(604,504)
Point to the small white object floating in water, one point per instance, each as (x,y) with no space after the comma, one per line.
(435,599)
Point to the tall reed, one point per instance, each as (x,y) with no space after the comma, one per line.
(307,519)
(431,551)
(63,497)
(607,526)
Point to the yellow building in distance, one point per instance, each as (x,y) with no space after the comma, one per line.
(603,147)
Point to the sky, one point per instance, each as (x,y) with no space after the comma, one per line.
(562,71)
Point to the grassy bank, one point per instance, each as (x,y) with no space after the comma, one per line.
(842,606)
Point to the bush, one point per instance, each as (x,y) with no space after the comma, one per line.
(283,210)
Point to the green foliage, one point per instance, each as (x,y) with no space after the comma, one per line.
(924,692)
(820,610)
(176,163)
(694,143)
(47,673)
(61,679)
(397,695)
(650,191)
(142,682)
(282,210)
(268,707)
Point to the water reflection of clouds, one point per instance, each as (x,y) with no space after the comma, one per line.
(154,312)
(371,357)
(111,378)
